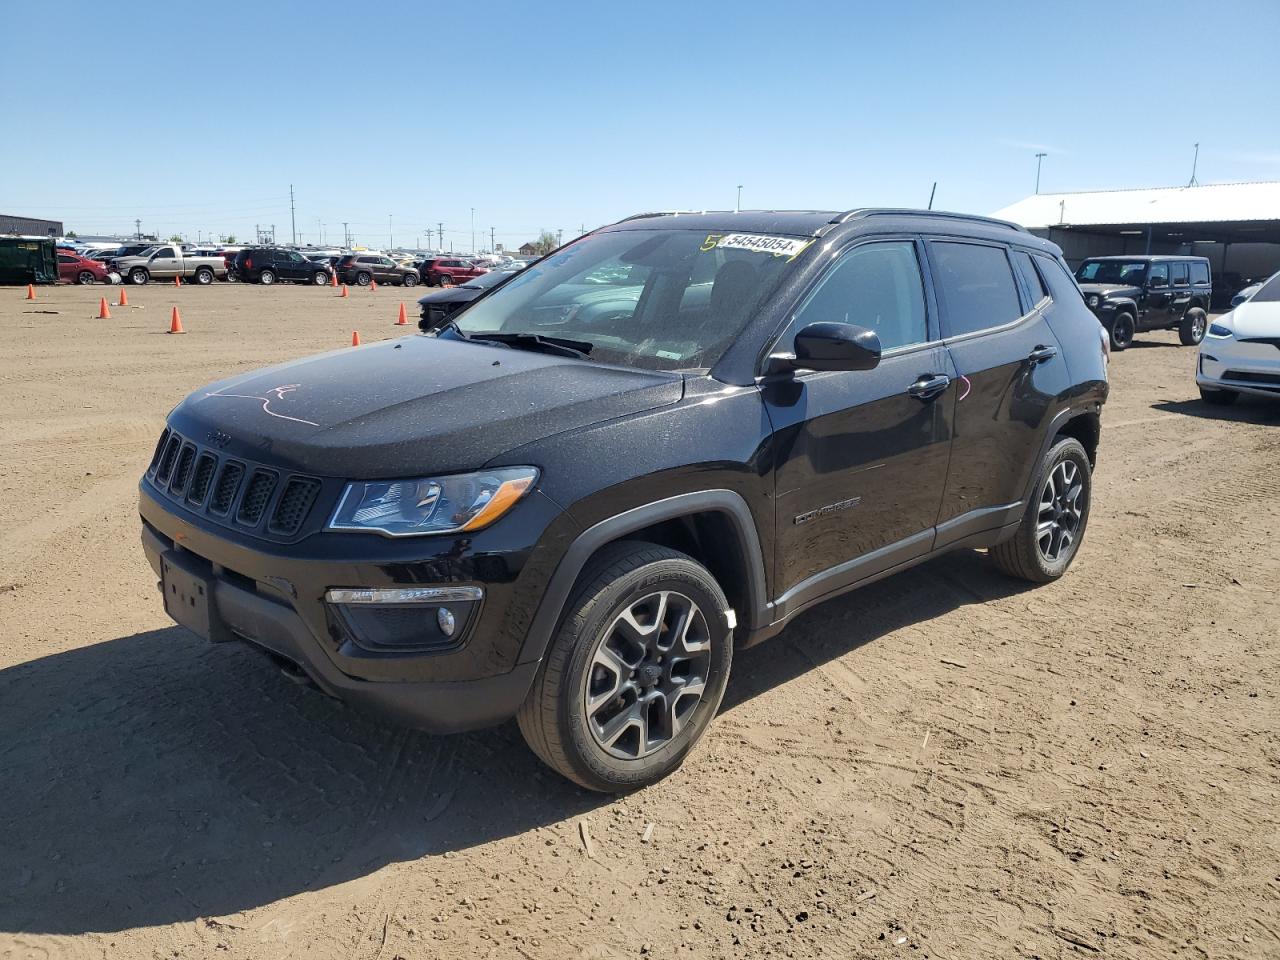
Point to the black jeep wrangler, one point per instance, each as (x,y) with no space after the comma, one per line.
(1129,294)
(661,442)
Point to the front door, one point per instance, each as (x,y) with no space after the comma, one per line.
(1011,374)
(860,458)
(1157,302)
(164,263)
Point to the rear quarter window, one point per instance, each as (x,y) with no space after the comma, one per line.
(1062,286)
(1199,273)
(975,284)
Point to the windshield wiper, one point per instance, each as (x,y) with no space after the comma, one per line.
(559,346)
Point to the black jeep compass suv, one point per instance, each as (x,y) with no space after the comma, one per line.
(661,442)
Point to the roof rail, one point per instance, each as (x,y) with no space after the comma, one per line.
(658,213)
(860,213)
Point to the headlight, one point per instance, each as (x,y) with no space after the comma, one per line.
(1093,300)
(1219,332)
(415,508)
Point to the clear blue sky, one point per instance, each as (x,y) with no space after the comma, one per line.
(552,115)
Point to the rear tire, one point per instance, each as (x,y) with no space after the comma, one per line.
(363,278)
(1054,522)
(1191,330)
(1219,398)
(636,672)
(204,276)
(446,280)
(85,279)
(1121,331)
(267,278)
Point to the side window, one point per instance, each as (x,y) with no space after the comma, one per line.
(65,259)
(975,285)
(164,252)
(296,257)
(1030,276)
(1158,275)
(1199,272)
(1062,285)
(1181,275)
(877,286)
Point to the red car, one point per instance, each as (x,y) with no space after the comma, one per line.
(73,268)
(450,270)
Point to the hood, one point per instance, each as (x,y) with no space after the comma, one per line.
(1255,321)
(412,407)
(1110,289)
(451,295)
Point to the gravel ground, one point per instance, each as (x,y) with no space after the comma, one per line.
(945,764)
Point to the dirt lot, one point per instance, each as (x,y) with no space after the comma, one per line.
(946,764)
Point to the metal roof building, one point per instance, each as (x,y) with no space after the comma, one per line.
(30,226)
(1235,225)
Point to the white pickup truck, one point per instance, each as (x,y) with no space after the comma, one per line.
(165,261)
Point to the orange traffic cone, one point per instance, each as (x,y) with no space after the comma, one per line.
(175,322)
(355,338)
(124,298)
(344,291)
(373,285)
(177,280)
(333,279)
(402,319)
(103,312)
(31,292)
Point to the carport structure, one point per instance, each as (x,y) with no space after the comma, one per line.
(1235,225)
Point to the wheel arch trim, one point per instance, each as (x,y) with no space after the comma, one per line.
(727,502)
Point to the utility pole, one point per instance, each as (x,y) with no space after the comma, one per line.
(559,234)
(391,237)
(1195,163)
(737,207)
(292,220)
(1039,160)
(137,229)
(473,229)
(492,242)
(440,229)
(346,236)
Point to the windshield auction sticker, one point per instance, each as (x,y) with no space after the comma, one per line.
(789,247)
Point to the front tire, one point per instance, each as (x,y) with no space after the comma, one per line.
(1122,330)
(1219,398)
(320,278)
(636,672)
(1054,522)
(1191,330)
(138,276)
(409,280)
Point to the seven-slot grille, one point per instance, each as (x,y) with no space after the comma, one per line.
(230,490)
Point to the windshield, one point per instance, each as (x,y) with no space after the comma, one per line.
(659,299)
(1269,292)
(1112,271)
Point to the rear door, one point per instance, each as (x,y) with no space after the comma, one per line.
(1180,282)
(1012,377)
(861,456)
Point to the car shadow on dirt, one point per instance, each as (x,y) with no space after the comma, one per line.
(157,778)
(1247,409)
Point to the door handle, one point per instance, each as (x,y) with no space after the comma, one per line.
(929,385)
(1041,354)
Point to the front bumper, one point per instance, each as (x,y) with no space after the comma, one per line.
(272,595)
(1239,365)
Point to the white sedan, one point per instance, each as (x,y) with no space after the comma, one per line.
(1241,349)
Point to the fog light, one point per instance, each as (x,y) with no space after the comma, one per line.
(444,617)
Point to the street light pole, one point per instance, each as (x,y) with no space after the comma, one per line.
(391,237)
(473,229)
(737,207)
(1039,160)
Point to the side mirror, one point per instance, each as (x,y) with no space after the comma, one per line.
(830,346)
